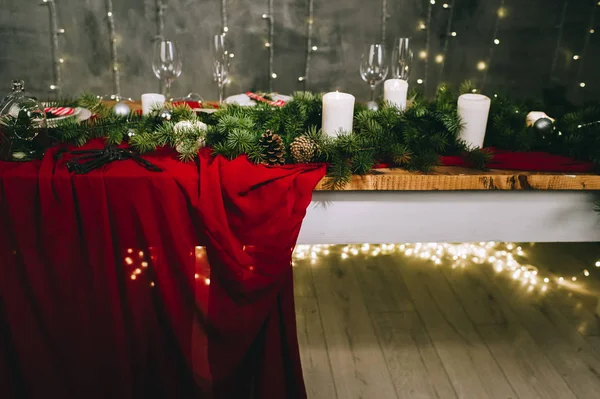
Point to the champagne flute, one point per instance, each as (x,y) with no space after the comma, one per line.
(402,57)
(374,68)
(220,63)
(167,63)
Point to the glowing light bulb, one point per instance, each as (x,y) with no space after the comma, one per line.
(453,34)
(144,264)
(496,41)
(481,65)
(344,256)
(61,60)
(265,16)
(502,12)
(301,79)
(138,271)
(445,5)
(575,57)
(225,29)
(53,87)
(560,279)
(314,48)
(586,273)
(423,54)
(422,26)
(267,44)
(420,81)
(574,278)
(432,1)
(206,281)
(439,58)
(544,288)
(546,280)
(110,14)
(274,75)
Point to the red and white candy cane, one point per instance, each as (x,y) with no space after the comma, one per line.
(59,111)
(256,97)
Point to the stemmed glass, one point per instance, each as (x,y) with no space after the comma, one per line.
(166,63)
(220,63)
(374,68)
(402,57)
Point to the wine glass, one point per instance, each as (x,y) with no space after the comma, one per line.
(402,57)
(167,63)
(374,68)
(220,63)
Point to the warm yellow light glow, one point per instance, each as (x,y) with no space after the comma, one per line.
(575,57)
(422,26)
(453,34)
(586,273)
(129,261)
(144,264)
(481,65)
(138,271)
(206,281)
(133,277)
(502,12)
(152,284)
(420,81)
(445,5)
(422,54)
(574,278)
(582,84)
(141,254)
(439,58)
(496,41)
(196,276)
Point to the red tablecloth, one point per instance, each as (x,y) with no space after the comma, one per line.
(126,283)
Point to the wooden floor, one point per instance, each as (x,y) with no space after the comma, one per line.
(396,327)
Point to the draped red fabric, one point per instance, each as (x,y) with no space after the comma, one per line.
(124,283)
(526,161)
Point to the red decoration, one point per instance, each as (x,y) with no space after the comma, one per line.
(127,283)
(261,99)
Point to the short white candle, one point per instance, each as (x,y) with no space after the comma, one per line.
(473,110)
(151,101)
(338,113)
(395,92)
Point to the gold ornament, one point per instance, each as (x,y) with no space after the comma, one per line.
(274,148)
(303,149)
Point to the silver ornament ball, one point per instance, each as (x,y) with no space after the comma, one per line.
(372,106)
(121,109)
(166,114)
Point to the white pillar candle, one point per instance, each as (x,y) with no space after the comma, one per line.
(395,92)
(151,101)
(338,113)
(473,110)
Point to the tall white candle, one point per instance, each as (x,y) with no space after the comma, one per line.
(338,113)
(151,101)
(473,110)
(395,92)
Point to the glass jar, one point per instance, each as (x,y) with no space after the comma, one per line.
(23,126)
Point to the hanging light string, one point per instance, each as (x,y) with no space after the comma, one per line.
(485,66)
(160,19)
(160,30)
(224,27)
(56,59)
(428,42)
(559,36)
(110,19)
(449,34)
(384,18)
(269,44)
(309,46)
(586,44)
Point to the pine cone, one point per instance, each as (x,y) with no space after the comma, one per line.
(273,148)
(303,149)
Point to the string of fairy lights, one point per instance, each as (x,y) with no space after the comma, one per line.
(112,37)
(590,30)
(508,259)
(57,60)
(505,258)
(559,37)
(441,58)
(270,18)
(309,43)
(485,65)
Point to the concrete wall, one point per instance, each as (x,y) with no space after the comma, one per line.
(521,63)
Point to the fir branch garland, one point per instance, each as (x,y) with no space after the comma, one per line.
(414,139)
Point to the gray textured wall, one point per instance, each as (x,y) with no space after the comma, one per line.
(522,62)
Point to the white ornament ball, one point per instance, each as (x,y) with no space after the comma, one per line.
(121,109)
(184,126)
